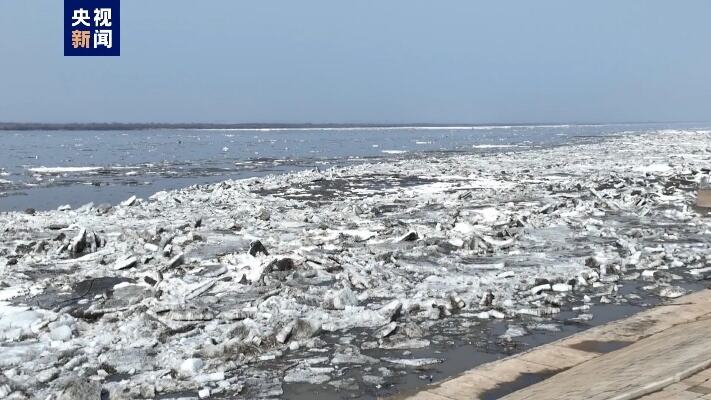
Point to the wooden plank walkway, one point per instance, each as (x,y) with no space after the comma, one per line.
(670,343)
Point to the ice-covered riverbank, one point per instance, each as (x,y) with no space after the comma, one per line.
(207,290)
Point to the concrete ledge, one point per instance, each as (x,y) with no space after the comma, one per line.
(669,343)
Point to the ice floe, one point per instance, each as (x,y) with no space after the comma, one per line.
(235,288)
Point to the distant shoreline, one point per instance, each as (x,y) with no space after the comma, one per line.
(24,126)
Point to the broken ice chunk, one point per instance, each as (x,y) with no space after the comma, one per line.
(514,331)
(191,366)
(672,292)
(391,310)
(81,389)
(129,202)
(487,299)
(562,287)
(150,247)
(125,263)
(176,261)
(61,333)
(412,362)
(257,247)
(409,237)
(540,288)
(307,374)
(299,329)
(386,330)
(79,242)
(340,299)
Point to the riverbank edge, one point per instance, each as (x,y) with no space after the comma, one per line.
(555,357)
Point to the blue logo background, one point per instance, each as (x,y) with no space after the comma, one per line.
(90,6)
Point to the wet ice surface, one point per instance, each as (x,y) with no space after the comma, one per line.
(356,281)
(44,170)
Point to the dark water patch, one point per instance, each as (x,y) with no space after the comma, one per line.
(41,271)
(192,394)
(117,377)
(334,189)
(523,381)
(299,391)
(599,346)
(52,298)
(463,348)
(700,389)
(703,211)
(95,286)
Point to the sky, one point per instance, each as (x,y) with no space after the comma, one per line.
(390,61)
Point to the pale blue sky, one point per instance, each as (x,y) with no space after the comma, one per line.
(365,61)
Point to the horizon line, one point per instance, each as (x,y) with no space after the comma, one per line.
(109,126)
